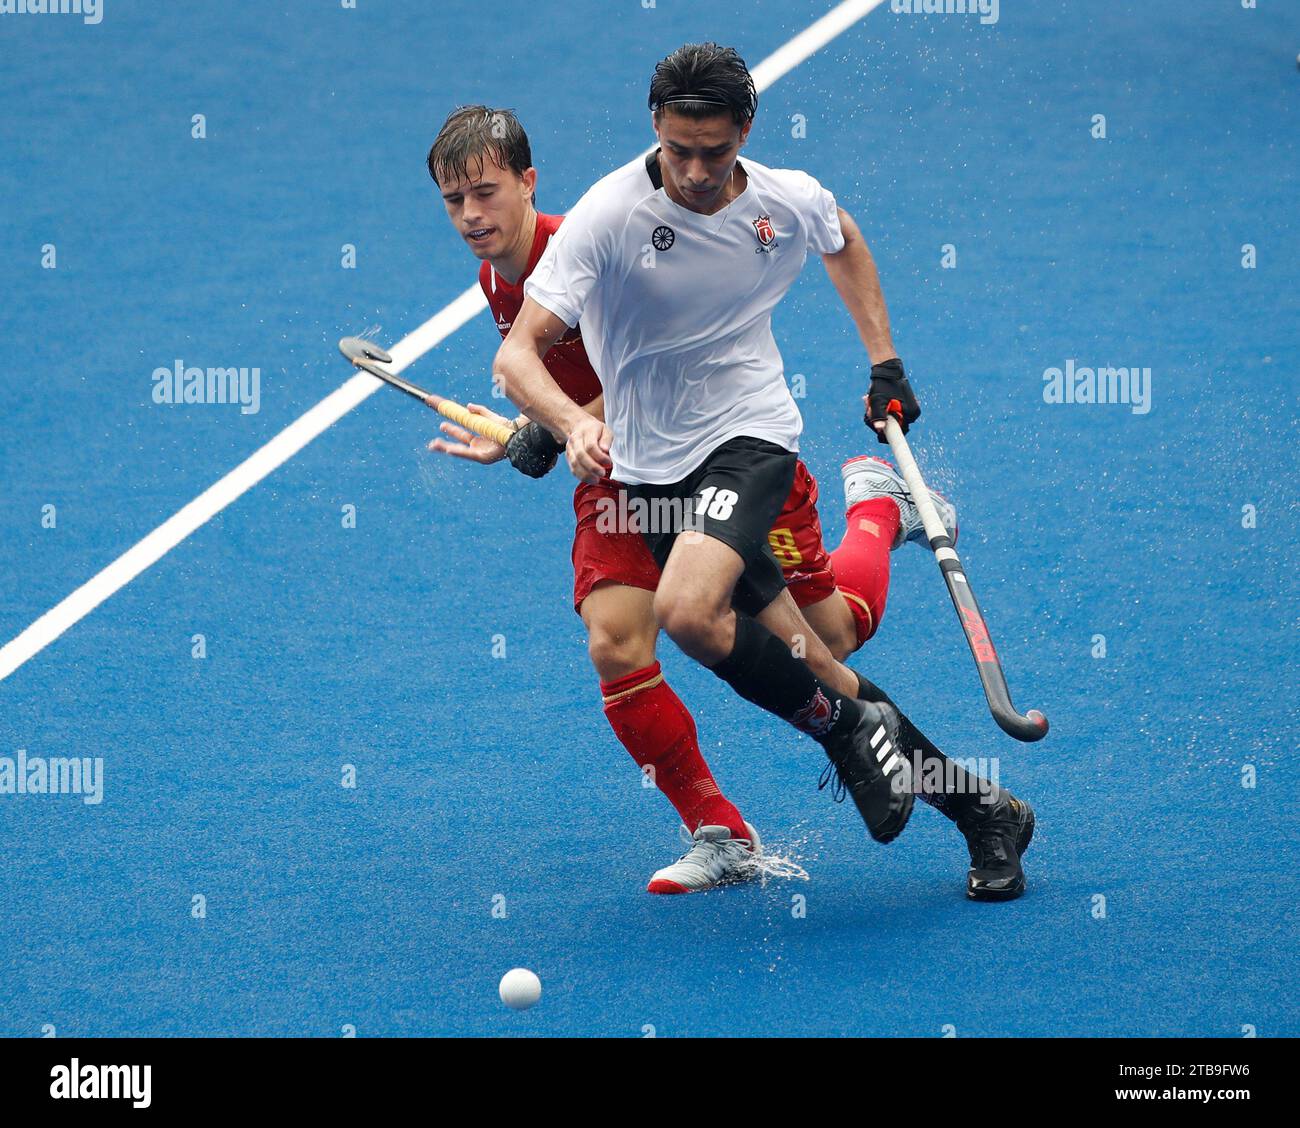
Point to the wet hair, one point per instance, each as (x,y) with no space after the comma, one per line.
(470,135)
(703,80)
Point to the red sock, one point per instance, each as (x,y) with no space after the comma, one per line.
(861,563)
(656,728)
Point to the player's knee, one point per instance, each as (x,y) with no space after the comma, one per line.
(695,625)
(615,653)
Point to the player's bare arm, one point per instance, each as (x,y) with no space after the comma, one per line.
(533,390)
(854,273)
(853,270)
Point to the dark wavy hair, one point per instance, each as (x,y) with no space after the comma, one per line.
(717,76)
(472,132)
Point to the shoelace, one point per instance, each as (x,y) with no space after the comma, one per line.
(688,839)
(992,837)
(992,847)
(831,776)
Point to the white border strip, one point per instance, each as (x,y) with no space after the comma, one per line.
(338,403)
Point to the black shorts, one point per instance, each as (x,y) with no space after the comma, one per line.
(735,495)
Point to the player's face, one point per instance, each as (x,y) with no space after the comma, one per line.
(490,206)
(697,156)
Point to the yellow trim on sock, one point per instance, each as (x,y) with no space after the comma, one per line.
(649,683)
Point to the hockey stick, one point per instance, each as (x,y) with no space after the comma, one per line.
(368,356)
(1023,726)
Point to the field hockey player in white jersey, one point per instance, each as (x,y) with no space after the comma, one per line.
(674,265)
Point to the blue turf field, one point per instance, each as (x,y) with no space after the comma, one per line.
(479,776)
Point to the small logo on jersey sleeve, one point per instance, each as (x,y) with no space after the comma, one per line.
(663,238)
(764,229)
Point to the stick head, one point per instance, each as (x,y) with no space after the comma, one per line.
(1028,728)
(358,348)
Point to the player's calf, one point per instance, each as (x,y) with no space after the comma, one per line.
(657,730)
(833,621)
(792,624)
(853,733)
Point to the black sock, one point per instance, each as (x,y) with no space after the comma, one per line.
(762,669)
(948,787)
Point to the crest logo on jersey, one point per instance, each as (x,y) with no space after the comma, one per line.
(663,238)
(764,229)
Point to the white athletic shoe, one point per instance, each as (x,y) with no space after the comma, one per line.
(715,858)
(866,476)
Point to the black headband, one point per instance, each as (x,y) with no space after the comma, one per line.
(703,99)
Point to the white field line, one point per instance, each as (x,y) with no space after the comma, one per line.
(338,403)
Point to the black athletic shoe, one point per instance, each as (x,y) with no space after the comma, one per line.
(997,834)
(872,766)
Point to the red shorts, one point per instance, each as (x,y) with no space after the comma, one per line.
(601,556)
(796,541)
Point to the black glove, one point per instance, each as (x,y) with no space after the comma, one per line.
(889,382)
(533,450)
